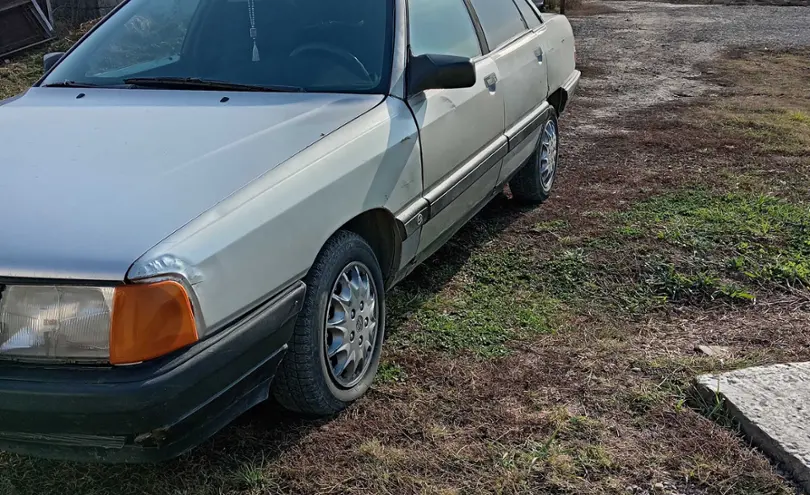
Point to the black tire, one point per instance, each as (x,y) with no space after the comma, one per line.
(528,185)
(303,383)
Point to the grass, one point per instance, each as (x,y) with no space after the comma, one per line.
(563,458)
(390,373)
(497,302)
(551,350)
(18,75)
(766,106)
(723,246)
(251,476)
(780,130)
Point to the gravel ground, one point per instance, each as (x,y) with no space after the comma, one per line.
(646,53)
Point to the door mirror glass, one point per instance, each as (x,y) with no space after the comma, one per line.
(439,72)
(50,59)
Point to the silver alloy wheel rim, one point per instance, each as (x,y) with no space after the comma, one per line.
(351,325)
(547,157)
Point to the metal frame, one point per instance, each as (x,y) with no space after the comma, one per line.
(44,21)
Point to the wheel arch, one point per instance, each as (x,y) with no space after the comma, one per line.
(384,234)
(558,100)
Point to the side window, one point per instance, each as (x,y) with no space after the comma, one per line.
(529,13)
(442,27)
(500,19)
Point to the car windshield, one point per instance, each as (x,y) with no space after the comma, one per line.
(281,45)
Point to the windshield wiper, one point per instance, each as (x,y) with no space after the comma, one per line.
(203,84)
(73,84)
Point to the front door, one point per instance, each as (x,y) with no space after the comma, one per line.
(461,130)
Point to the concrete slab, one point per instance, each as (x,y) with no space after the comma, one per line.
(772,405)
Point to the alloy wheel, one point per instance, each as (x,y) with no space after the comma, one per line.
(547,157)
(351,325)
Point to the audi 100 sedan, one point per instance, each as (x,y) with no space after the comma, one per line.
(207,200)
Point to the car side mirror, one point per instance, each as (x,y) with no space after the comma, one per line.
(439,72)
(50,59)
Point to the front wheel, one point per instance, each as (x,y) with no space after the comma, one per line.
(335,350)
(534,181)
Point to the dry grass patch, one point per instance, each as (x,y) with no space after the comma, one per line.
(766,101)
(19,72)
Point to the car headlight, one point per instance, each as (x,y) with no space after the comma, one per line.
(118,325)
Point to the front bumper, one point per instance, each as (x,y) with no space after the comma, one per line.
(152,411)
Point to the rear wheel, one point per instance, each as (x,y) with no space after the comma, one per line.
(335,350)
(534,181)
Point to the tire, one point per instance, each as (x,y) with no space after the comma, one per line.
(307,381)
(534,181)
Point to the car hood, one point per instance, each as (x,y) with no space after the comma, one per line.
(92,179)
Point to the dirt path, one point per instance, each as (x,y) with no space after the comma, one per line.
(646,53)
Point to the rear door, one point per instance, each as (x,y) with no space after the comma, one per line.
(515,39)
(461,130)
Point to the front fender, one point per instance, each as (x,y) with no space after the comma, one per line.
(266,236)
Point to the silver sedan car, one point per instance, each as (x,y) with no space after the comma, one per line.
(207,200)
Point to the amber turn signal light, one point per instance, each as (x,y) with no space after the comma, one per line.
(150,320)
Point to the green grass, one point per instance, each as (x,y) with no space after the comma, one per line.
(389,372)
(726,246)
(666,281)
(713,406)
(691,247)
(250,475)
(799,116)
(646,396)
(499,301)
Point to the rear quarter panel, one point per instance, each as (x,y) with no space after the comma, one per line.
(560,55)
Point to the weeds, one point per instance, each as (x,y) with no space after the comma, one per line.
(729,244)
(561,458)
(713,406)
(390,372)
(699,288)
(250,476)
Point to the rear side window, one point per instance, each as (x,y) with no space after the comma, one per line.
(442,27)
(500,20)
(529,13)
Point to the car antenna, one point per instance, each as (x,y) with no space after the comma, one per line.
(252,14)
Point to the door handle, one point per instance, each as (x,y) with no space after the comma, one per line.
(491,80)
(538,52)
